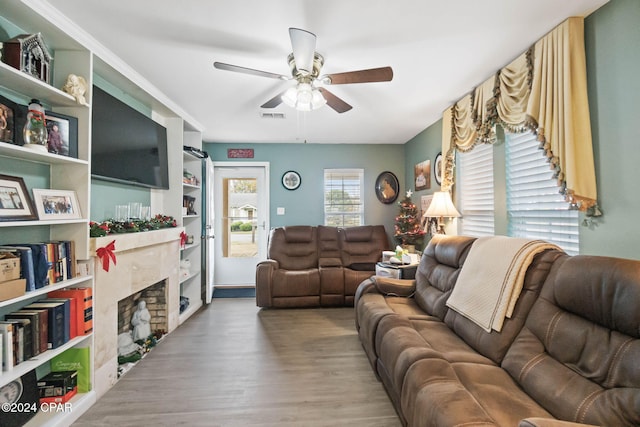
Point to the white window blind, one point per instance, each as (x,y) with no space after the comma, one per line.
(535,207)
(343,201)
(475,184)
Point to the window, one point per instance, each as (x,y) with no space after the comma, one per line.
(343,204)
(475,186)
(535,208)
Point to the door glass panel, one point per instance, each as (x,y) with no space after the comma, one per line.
(240,221)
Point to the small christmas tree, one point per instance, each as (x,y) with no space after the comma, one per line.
(408,230)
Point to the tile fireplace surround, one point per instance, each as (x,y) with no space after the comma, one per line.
(142,260)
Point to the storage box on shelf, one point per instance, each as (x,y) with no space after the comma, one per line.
(57,172)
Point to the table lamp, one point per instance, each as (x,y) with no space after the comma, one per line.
(441,206)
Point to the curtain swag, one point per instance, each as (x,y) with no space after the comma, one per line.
(543,91)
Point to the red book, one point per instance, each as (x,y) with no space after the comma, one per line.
(83,301)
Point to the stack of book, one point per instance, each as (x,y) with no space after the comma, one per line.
(46,263)
(46,324)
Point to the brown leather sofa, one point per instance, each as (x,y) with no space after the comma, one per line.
(569,355)
(311,266)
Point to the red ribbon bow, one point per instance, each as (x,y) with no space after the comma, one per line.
(183,238)
(106,253)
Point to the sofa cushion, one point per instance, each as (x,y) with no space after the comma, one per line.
(494,345)
(579,350)
(464,394)
(362,244)
(288,283)
(438,270)
(294,247)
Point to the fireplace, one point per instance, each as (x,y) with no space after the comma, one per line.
(145,262)
(155,298)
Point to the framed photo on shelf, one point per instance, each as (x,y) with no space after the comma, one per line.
(62,134)
(56,204)
(15,203)
(7,120)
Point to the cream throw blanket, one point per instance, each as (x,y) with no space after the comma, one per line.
(492,277)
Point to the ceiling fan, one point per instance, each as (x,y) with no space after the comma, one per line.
(309,92)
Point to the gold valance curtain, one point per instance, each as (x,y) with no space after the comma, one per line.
(544,90)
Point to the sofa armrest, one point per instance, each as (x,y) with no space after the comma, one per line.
(264,274)
(394,287)
(548,422)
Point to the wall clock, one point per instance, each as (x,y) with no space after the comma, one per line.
(291,180)
(387,187)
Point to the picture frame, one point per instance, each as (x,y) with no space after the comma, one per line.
(56,204)
(387,187)
(437,169)
(62,133)
(422,175)
(15,203)
(291,180)
(7,120)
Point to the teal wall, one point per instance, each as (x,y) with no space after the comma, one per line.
(305,205)
(612,37)
(424,146)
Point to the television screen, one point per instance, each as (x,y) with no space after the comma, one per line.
(126,145)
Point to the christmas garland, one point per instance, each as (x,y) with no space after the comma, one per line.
(104,228)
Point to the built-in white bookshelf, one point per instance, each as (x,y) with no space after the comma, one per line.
(76,52)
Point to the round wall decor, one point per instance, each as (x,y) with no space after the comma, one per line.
(291,180)
(387,187)
(437,169)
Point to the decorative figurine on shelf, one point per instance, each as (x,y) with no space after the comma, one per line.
(35,129)
(76,86)
(29,54)
(408,231)
(140,322)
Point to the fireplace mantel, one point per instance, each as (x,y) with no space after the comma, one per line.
(142,259)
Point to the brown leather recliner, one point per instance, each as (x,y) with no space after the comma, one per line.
(568,356)
(317,266)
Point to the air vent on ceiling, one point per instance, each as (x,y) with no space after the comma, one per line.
(272,115)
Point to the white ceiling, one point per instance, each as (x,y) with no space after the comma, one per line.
(438,49)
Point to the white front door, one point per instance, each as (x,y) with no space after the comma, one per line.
(241,197)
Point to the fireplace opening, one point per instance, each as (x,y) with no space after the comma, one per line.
(142,321)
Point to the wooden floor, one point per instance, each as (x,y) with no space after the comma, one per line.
(233,364)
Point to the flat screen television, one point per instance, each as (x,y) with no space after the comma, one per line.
(127,146)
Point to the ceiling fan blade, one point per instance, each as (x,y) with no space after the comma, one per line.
(334,102)
(303,44)
(251,71)
(383,74)
(273,102)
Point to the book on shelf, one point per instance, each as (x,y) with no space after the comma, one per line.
(6,329)
(57,320)
(70,316)
(76,359)
(24,338)
(45,263)
(15,347)
(34,318)
(26,264)
(83,300)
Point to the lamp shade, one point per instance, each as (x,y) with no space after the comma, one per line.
(442,206)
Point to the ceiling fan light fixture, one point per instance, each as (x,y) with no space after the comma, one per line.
(303,97)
